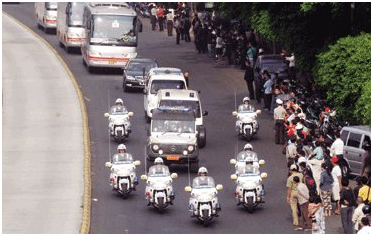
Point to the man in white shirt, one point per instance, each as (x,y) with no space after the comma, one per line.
(366,228)
(337,183)
(303,196)
(336,150)
(358,213)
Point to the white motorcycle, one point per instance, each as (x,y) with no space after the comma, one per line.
(249,188)
(123,177)
(246,125)
(159,191)
(203,202)
(119,124)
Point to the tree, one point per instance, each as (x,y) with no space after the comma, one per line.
(344,70)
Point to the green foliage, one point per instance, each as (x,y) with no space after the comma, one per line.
(345,71)
(262,23)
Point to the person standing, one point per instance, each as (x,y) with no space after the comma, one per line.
(358,213)
(337,183)
(170,23)
(186,77)
(251,53)
(365,190)
(291,60)
(249,78)
(187,26)
(326,188)
(267,90)
(291,150)
(160,16)
(291,193)
(177,26)
(337,150)
(153,16)
(347,206)
(279,116)
(303,196)
(316,213)
(219,47)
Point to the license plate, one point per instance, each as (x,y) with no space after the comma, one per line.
(112,62)
(172,158)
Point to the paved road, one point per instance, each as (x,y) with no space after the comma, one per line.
(42,138)
(218,83)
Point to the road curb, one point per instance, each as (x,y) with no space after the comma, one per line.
(86,215)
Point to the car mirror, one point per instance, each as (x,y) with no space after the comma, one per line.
(144,177)
(188,189)
(219,187)
(258,112)
(232,161)
(107,115)
(108,164)
(174,175)
(234,113)
(137,163)
(130,114)
(205,113)
(234,177)
(263,175)
(261,162)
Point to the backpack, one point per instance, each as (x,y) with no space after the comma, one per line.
(311,185)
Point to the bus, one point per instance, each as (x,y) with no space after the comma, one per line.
(46,15)
(70,30)
(111,35)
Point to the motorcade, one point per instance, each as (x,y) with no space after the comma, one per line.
(70,30)
(135,71)
(46,15)
(111,35)
(185,99)
(160,78)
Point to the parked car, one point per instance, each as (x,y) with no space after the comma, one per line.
(354,138)
(272,63)
(134,72)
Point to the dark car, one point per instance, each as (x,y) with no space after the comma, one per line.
(272,63)
(134,72)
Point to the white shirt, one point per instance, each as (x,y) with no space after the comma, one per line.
(358,214)
(337,147)
(291,61)
(336,171)
(153,11)
(364,230)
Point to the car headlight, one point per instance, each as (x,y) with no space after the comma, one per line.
(160,152)
(190,148)
(155,147)
(130,77)
(185,152)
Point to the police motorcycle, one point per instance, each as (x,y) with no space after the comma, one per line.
(203,202)
(249,188)
(246,125)
(119,124)
(159,191)
(123,176)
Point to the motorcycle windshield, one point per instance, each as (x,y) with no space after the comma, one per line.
(203,182)
(245,108)
(249,171)
(247,155)
(122,158)
(158,171)
(118,110)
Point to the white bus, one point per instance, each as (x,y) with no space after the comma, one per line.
(111,31)
(70,30)
(46,15)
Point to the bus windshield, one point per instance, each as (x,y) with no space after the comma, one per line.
(193,105)
(75,15)
(114,30)
(51,6)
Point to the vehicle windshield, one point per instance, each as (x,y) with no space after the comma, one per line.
(114,30)
(174,126)
(138,66)
(183,104)
(75,15)
(246,108)
(161,71)
(203,182)
(122,158)
(158,171)
(166,84)
(118,110)
(247,155)
(273,66)
(51,6)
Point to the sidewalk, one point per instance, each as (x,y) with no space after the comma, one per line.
(42,139)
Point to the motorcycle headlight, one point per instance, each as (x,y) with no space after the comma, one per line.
(160,152)
(190,148)
(130,77)
(155,147)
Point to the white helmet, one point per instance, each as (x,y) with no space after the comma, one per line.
(248,147)
(119,102)
(202,170)
(246,99)
(121,147)
(158,160)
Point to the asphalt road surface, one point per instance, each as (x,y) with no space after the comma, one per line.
(220,86)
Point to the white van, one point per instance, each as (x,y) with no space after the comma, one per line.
(354,137)
(160,78)
(184,99)
(70,30)
(46,15)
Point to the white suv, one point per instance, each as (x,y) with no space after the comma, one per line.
(184,99)
(160,78)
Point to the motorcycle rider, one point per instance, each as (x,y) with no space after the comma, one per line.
(246,106)
(279,116)
(202,174)
(121,148)
(119,108)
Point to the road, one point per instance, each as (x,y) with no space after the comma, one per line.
(220,86)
